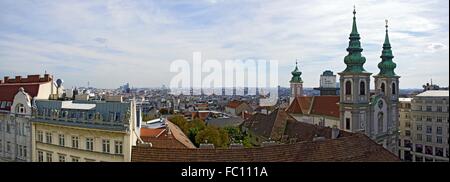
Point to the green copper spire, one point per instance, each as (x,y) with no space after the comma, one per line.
(296,75)
(386,65)
(354,60)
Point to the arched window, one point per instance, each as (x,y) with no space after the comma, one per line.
(380,122)
(362,88)
(20,109)
(394,88)
(348,88)
(383,88)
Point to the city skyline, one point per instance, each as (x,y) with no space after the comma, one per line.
(109,44)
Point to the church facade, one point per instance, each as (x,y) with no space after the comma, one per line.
(374,114)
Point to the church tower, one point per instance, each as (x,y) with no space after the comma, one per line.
(386,90)
(296,84)
(354,86)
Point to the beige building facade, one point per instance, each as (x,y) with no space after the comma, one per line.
(424,121)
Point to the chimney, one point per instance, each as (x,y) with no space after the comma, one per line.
(334,132)
(18,79)
(5,79)
(46,77)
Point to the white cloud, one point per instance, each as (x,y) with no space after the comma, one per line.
(135,41)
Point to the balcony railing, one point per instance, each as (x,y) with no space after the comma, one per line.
(96,124)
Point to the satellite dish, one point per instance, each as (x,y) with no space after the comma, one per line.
(59,82)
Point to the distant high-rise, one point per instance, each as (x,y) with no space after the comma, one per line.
(327,83)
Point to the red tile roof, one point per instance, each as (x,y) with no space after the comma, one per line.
(31,84)
(151,132)
(234,104)
(326,105)
(354,148)
(169,137)
(317,105)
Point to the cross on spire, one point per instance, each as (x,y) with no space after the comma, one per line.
(386,24)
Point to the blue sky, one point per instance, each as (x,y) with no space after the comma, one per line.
(109,43)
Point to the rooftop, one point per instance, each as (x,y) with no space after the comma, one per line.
(354,148)
(434,93)
(405,99)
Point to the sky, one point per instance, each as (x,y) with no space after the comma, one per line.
(110,43)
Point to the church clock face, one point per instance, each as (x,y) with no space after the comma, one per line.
(380,104)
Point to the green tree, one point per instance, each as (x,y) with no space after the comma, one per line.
(163,111)
(181,122)
(213,135)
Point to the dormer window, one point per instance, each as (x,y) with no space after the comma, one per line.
(20,109)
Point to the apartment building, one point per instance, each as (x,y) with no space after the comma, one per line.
(424,121)
(84,131)
(16,97)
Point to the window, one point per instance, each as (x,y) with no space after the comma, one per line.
(429,138)
(118,147)
(8,128)
(90,144)
(1,146)
(446,152)
(407,133)
(20,109)
(439,130)
(105,147)
(362,88)
(408,144)
(429,129)
(429,108)
(439,151)
(438,139)
(429,150)
(24,148)
(439,109)
(439,119)
(419,158)
(408,124)
(75,159)
(348,88)
(74,142)
(62,141)
(347,123)
(8,147)
(419,137)
(419,148)
(62,158)
(429,118)
(48,137)
(49,157)
(394,88)
(383,88)
(380,122)
(419,127)
(40,136)
(20,150)
(40,156)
